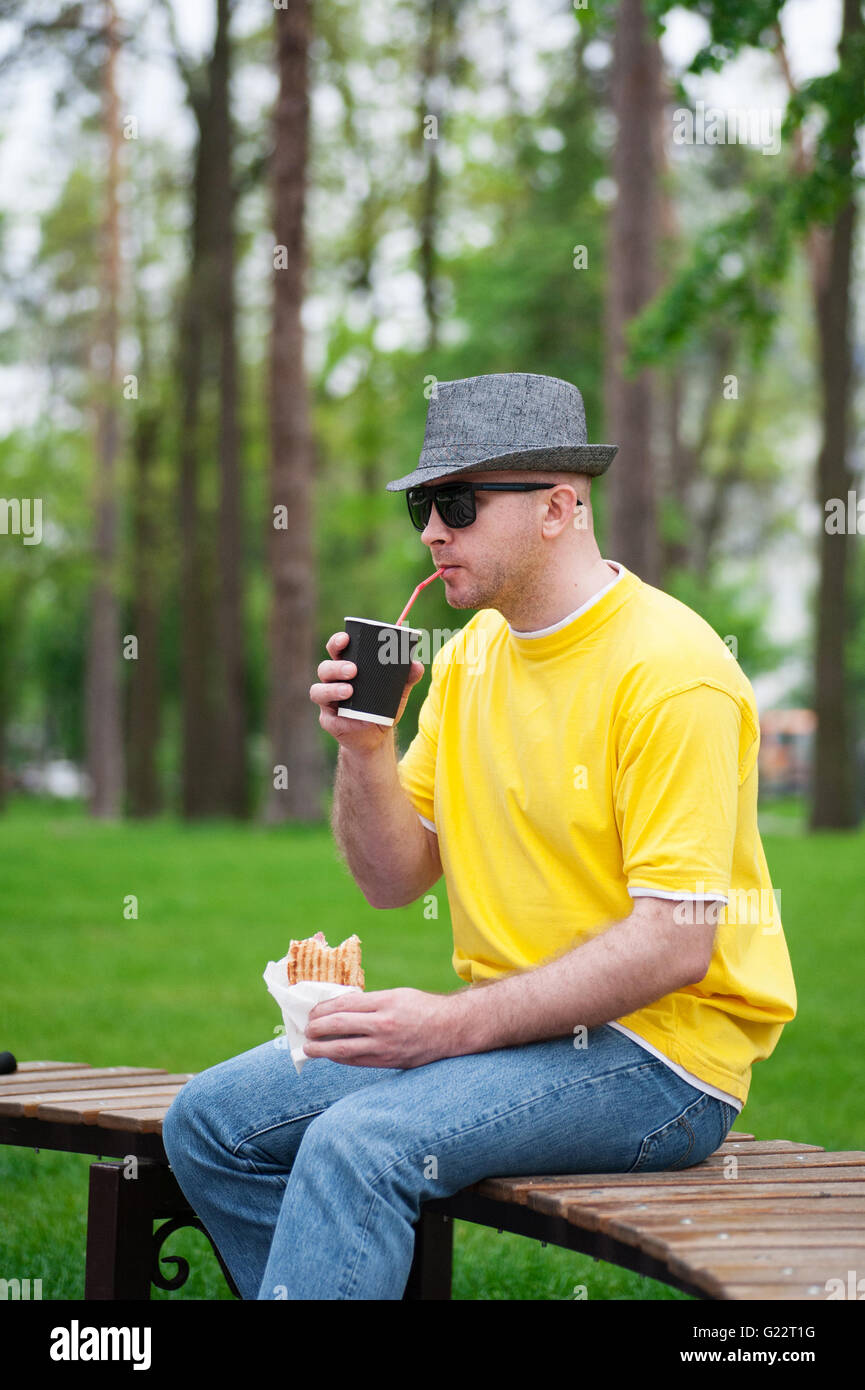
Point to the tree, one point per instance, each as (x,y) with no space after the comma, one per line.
(89,36)
(213,683)
(150,552)
(834,801)
(631,281)
(295,750)
(434,70)
(815,192)
(105,762)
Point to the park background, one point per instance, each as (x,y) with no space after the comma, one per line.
(239,243)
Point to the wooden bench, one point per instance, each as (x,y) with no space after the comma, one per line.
(766,1219)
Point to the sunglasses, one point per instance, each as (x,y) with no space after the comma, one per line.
(455,502)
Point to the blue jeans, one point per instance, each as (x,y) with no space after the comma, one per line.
(310,1185)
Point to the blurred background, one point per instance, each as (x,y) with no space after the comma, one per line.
(240,241)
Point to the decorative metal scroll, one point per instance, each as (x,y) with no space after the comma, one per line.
(181,1273)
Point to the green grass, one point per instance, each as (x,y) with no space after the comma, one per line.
(179,986)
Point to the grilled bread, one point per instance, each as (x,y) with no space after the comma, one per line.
(313,959)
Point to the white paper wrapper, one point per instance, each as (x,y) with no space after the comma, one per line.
(296,1003)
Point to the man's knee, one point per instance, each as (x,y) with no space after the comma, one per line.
(214,1093)
(186,1115)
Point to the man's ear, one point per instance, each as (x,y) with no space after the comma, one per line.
(579,509)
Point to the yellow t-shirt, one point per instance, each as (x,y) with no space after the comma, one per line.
(569,770)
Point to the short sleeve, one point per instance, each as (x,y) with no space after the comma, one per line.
(677,793)
(416,769)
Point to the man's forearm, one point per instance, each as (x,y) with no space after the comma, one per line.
(377,828)
(613,974)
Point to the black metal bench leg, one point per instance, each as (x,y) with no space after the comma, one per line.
(430,1274)
(124,1253)
(120,1213)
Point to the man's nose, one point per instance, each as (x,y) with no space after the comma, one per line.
(434,527)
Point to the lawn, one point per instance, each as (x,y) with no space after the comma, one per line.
(145,944)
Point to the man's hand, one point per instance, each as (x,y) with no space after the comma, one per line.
(383,1028)
(334,685)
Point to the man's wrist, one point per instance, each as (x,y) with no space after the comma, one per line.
(468,1022)
(372,761)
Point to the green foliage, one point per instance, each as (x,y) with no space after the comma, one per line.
(43,588)
(520,185)
(733,25)
(757,240)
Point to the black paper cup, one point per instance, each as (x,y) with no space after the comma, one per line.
(383,654)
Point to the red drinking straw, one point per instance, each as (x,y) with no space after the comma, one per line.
(420,586)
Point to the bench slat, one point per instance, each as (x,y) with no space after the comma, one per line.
(780,1168)
(782,1171)
(769,1146)
(86,1111)
(657,1237)
(58,1066)
(86,1081)
(621,1219)
(757,1244)
(147,1120)
(827,1238)
(749,1162)
(766,1293)
(777,1269)
(516,1190)
(707,1219)
(36,1103)
(571,1204)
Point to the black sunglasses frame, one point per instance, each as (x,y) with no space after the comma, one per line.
(455,502)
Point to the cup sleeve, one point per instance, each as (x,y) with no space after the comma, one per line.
(680,766)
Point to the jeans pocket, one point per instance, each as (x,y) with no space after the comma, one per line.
(685,1140)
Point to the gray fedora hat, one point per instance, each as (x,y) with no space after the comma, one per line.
(506,420)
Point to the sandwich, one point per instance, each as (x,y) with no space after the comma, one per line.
(313,959)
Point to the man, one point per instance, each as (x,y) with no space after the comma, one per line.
(585,776)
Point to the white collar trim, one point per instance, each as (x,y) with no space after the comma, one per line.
(563,622)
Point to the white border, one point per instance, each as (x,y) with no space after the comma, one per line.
(374,622)
(368,718)
(679,897)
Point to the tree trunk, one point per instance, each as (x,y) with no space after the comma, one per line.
(430,67)
(213,679)
(293,730)
(104,719)
(232,684)
(143,719)
(631,282)
(675,469)
(199,748)
(834,793)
